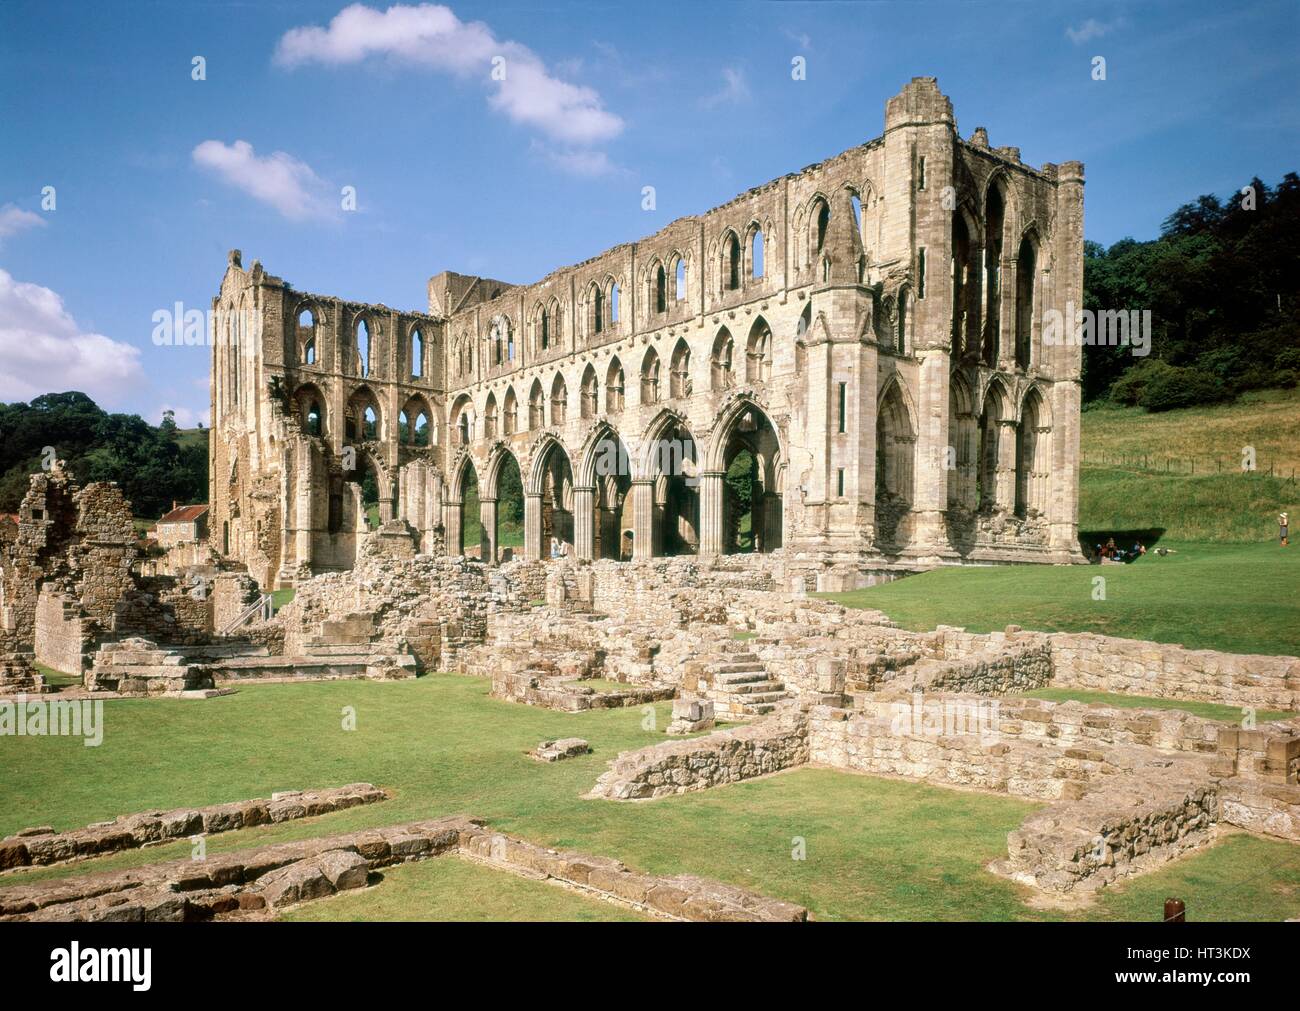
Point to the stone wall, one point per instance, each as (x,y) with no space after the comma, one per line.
(62,637)
(258,882)
(42,845)
(728,756)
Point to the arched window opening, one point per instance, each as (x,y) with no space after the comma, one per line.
(650,378)
(614,387)
(307,336)
(661,289)
(751,490)
(823,223)
(314,423)
(417,353)
(363,348)
(731,262)
(590,406)
(681,280)
(758,353)
(960,281)
(613,303)
(510,412)
(722,365)
(680,379)
(370,424)
(490,417)
(403,427)
(559,400)
(856,203)
(1025,267)
(895,449)
(598,310)
(756,255)
(994,217)
(545,329)
(420,434)
(536,407)
(1033,458)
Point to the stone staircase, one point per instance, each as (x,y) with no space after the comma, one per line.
(139,667)
(739,686)
(341,650)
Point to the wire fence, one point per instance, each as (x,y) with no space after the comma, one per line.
(1158,463)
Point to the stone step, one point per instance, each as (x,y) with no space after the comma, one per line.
(741,677)
(224,650)
(757,688)
(332,649)
(140,670)
(155,657)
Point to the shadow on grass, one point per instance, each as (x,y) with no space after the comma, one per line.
(1090,541)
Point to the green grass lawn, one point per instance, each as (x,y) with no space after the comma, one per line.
(453,889)
(875,848)
(1235,597)
(1209,710)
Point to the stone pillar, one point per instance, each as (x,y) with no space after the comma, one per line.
(712,519)
(643,513)
(451,524)
(303,493)
(487,514)
(930,488)
(773,533)
(584,498)
(1005,478)
(534,549)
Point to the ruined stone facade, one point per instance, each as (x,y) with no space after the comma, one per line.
(868,329)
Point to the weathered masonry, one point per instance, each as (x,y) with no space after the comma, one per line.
(862,335)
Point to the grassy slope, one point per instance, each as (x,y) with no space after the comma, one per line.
(1229,586)
(876,848)
(1212,504)
(1235,597)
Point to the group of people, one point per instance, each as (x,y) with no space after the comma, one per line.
(559,548)
(1114,554)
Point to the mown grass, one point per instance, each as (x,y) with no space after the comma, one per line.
(1240,598)
(874,848)
(1209,710)
(452,889)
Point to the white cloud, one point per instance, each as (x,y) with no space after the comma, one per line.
(43,350)
(13,219)
(734,89)
(431,35)
(277,179)
(579,162)
(1091,29)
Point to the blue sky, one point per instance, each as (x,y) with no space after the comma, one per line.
(455,170)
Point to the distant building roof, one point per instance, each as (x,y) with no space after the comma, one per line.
(184,514)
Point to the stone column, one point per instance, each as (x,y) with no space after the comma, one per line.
(487,514)
(534,549)
(303,493)
(1005,478)
(584,498)
(712,500)
(643,512)
(451,524)
(930,487)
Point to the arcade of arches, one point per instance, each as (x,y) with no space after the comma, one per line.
(675,500)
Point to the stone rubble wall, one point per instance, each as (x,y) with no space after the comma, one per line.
(728,756)
(257,883)
(1130,829)
(42,846)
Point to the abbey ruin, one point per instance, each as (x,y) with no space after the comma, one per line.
(866,329)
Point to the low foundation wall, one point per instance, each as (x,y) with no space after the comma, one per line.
(254,884)
(42,846)
(728,756)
